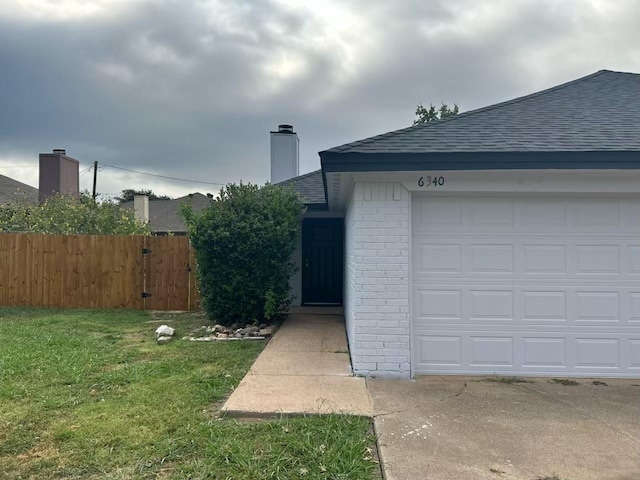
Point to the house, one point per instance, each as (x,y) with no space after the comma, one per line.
(58,173)
(163,216)
(504,240)
(12,190)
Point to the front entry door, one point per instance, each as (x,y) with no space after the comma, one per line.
(322,244)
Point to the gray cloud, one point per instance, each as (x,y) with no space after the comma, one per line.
(191,89)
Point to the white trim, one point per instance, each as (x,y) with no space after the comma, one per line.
(412,360)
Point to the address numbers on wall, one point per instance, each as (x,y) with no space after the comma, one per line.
(430,181)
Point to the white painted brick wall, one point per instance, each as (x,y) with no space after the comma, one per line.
(377,279)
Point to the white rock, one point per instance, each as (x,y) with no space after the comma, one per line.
(164,339)
(165,331)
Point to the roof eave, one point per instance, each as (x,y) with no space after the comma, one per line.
(512,160)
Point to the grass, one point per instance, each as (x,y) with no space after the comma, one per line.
(89,395)
(508,380)
(564,381)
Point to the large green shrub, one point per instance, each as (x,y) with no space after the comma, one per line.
(243,242)
(65,215)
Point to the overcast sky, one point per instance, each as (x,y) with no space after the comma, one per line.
(191,88)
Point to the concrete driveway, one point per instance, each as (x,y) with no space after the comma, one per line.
(459,428)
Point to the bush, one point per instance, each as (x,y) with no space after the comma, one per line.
(65,215)
(243,243)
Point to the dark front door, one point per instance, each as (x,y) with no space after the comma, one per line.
(322,261)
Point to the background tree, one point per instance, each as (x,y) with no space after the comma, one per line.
(243,242)
(431,114)
(127,195)
(66,215)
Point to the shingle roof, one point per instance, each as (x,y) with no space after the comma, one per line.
(599,112)
(164,214)
(11,189)
(310,186)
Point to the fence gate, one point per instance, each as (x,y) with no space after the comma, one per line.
(169,275)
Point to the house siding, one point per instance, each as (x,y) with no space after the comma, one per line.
(377,279)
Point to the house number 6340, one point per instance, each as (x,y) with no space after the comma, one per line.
(430,181)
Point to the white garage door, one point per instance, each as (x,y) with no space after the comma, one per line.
(533,285)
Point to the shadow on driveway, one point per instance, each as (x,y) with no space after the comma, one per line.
(459,428)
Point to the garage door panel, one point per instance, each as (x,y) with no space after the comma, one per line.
(438,258)
(490,305)
(633,347)
(439,304)
(597,307)
(526,257)
(526,285)
(544,306)
(491,258)
(528,353)
(634,307)
(487,351)
(544,258)
(594,215)
(597,352)
(634,259)
(541,352)
(598,259)
(525,305)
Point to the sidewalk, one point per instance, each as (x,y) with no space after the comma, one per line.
(305,369)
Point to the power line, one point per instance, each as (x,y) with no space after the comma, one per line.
(163,176)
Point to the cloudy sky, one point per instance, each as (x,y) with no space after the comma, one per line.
(191,88)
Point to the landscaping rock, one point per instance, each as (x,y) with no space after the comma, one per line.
(165,331)
(251,329)
(164,339)
(269,330)
(218,328)
(223,335)
(263,325)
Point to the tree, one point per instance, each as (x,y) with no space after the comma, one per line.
(65,215)
(431,114)
(128,194)
(243,244)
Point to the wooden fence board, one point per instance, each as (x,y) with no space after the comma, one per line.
(88,271)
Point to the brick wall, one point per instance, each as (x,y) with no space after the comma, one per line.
(377,279)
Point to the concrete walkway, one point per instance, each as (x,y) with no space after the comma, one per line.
(305,369)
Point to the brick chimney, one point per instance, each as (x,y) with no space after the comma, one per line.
(284,154)
(58,174)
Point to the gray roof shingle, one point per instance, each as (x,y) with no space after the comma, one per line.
(599,112)
(11,190)
(310,186)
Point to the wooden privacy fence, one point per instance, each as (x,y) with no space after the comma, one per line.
(97,271)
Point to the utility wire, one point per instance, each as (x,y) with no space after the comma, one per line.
(162,176)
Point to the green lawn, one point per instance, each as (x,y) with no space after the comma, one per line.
(89,394)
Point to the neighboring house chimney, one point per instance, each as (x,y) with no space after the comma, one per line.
(141,208)
(58,174)
(284,154)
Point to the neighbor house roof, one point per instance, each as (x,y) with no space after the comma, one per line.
(597,116)
(310,187)
(11,189)
(164,215)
